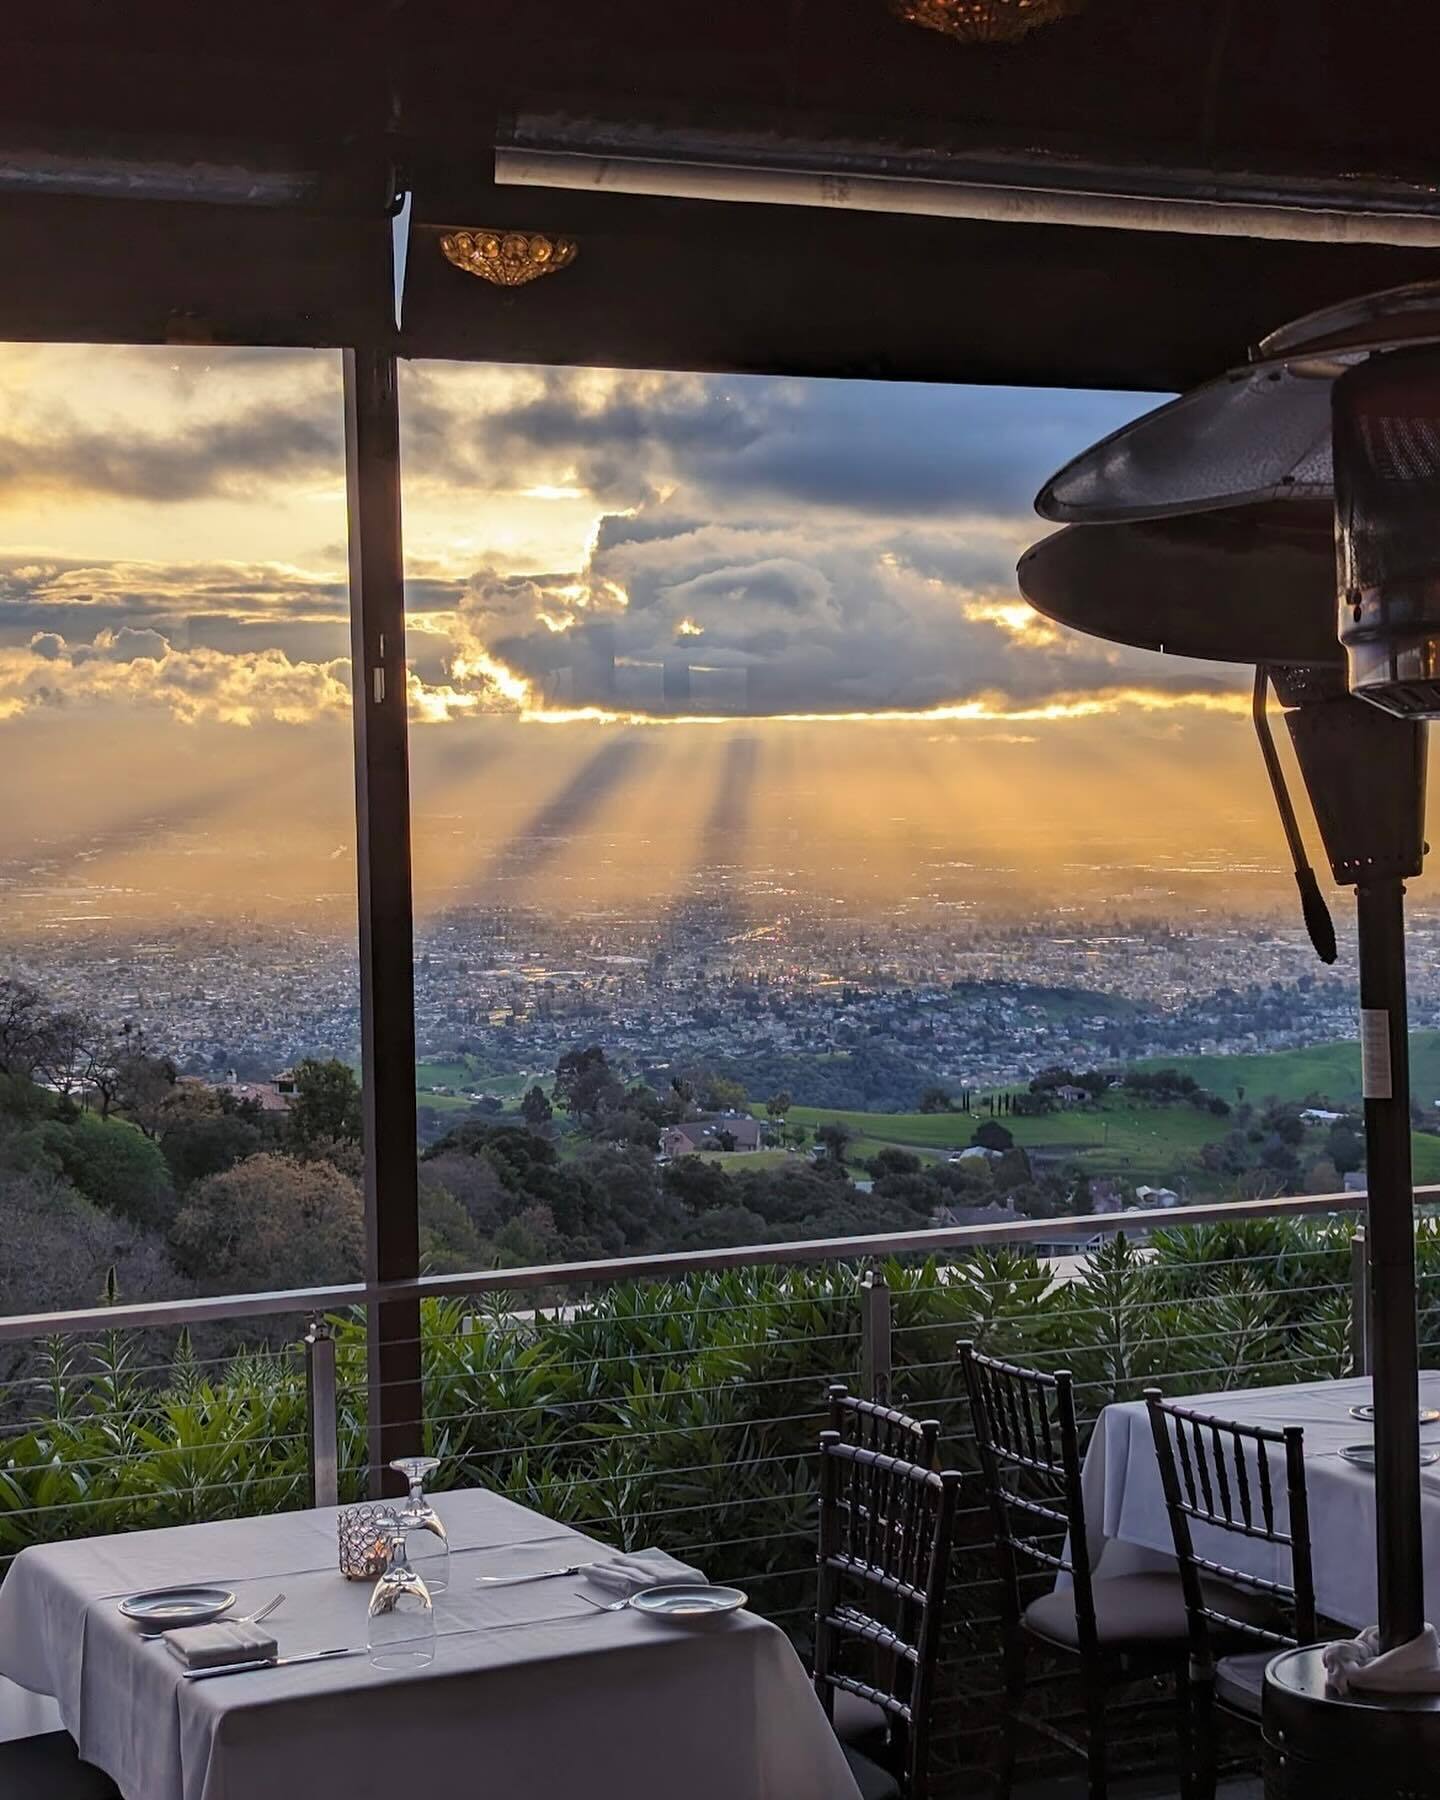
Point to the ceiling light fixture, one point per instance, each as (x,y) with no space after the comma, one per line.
(984,21)
(508,258)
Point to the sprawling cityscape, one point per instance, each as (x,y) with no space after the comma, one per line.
(971,1002)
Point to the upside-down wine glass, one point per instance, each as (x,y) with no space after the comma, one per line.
(402,1614)
(429,1545)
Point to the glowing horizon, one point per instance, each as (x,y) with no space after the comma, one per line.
(607,553)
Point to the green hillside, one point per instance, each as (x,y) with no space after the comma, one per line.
(1133,1140)
(1119,1137)
(1329,1070)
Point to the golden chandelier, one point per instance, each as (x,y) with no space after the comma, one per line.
(984,21)
(508,258)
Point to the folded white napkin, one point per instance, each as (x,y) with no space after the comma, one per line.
(1357,1663)
(640,1569)
(209,1646)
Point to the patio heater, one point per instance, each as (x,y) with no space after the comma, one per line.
(1235,523)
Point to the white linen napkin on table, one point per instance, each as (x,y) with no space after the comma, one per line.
(210,1646)
(1357,1663)
(640,1569)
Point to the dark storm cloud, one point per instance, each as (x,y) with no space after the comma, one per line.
(882,449)
(238,456)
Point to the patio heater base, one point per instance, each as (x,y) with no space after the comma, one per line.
(1322,1746)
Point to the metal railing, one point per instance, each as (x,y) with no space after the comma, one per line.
(869,1337)
(670,1399)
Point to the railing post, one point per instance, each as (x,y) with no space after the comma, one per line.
(1359,1304)
(875,1363)
(324,1432)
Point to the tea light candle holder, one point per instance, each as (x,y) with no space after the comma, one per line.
(364,1534)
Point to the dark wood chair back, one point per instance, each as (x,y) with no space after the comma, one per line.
(883,1429)
(1028,1443)
(1222,1476)
(887,1526)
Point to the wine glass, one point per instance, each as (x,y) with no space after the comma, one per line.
(429,1544)
(402,1614)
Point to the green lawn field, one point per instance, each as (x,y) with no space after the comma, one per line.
(736,1162)
(1119,1137)
(1131,1139)
(1329,1070)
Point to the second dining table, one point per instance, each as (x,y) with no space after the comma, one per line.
(1128,1529)
(532,1689)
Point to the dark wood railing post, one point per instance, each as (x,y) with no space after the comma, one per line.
(875,1343)
(323,1415)
(387,982)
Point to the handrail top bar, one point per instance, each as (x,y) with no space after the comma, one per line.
(158,1314)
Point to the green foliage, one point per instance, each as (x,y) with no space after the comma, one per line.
(326,1107)
(682,1413)
(115,1166)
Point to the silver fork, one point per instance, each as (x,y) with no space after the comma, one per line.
(603,1605)
(248,1619)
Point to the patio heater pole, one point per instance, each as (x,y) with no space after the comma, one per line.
(1390,1242)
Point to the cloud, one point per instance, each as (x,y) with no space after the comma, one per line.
(891,450)
(779,617)
(142,668)
(760,548)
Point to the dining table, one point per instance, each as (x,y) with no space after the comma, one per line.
(1127,1527)
(532,1690)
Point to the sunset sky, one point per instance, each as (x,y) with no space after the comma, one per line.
(665,618)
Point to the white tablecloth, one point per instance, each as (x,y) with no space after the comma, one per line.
(1128,1528)
(531,1691)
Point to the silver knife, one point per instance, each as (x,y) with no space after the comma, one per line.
(266,1662)
(534,1575)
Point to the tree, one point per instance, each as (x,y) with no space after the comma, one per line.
(778,1105)
(24,1023)
(721,1094)
(937,1100)
(59,1245)
(1345,1148)
(536,1109)
(992,1136)
(66,1054)
(116,1167)
(585,1084)
(724,1140)
(199,1135)
(326,1108)
(835,1140)
(272,1221)
(144,1086)
(894,1161)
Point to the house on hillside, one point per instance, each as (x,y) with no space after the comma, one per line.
(706,1134)
(274,1095)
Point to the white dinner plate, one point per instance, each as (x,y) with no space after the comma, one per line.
(1363,1455)
(688,1600)
(1428,1414)
(166,1609)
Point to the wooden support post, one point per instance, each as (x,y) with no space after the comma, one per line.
(387,980)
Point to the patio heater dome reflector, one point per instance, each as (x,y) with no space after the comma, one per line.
(1344,406)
